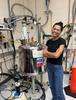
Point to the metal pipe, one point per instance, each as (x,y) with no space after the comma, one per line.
(69,12)
(9,12)
(36,9)
(39,33)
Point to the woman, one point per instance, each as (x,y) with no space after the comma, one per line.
(54,53)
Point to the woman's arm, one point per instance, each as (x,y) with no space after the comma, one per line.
(56,54)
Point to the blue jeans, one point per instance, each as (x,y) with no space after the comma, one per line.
(55,76)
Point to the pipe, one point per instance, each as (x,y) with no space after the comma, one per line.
(9,12)
(17,4)
(74,11)
(69,12)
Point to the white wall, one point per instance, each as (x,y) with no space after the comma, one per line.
(59,10)
(3,9)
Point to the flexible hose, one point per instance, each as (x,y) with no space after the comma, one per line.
(17,4)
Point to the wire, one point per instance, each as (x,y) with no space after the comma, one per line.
(4,57)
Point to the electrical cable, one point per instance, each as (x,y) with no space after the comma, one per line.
(39,87)
(8,50)
(4,57)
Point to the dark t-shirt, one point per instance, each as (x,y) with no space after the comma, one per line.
(52,47)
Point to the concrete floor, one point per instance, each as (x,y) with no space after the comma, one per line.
(48,92)
(66,83)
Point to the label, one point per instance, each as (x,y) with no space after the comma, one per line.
(37,53)
(39,62)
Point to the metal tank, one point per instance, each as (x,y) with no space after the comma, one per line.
(31,60)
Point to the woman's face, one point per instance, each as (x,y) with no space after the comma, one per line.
(56,30)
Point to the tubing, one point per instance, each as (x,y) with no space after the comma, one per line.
(17,4)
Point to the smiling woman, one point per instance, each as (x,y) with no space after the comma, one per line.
(56,30)
(54,53)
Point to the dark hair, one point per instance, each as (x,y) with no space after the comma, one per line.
(60,24)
